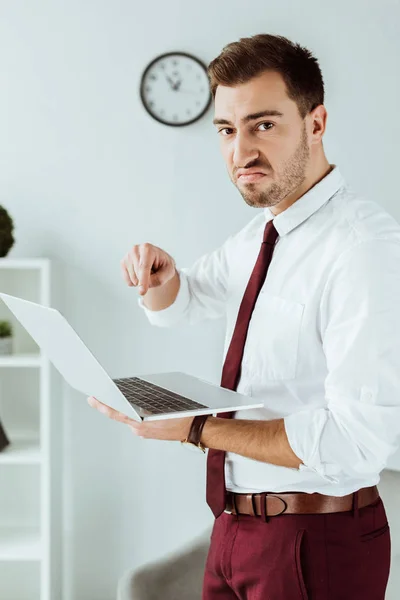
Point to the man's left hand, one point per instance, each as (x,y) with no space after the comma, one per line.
(165,429)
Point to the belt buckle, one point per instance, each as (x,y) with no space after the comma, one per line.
(230,501)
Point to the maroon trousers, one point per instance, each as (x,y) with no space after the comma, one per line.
(338,556)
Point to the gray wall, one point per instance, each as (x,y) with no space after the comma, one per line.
(86,174)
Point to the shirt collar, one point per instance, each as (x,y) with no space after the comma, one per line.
(307,204)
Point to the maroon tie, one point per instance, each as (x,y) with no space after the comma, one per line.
(215,488)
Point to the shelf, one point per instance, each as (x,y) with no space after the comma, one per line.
(23,263)
(21,452)
(30,477)
(20,544)
(21,360)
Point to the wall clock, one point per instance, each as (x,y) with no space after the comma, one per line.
(175,89)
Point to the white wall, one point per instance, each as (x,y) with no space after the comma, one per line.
(86,174)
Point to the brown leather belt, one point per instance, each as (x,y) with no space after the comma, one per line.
(292,503)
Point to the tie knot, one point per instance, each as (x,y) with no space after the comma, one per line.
(270,233)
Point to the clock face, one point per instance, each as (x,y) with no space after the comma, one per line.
(175,89)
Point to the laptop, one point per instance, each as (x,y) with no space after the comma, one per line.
(145,397)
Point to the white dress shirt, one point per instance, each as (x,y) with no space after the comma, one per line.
(323,345)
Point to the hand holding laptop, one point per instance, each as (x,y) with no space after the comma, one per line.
(173,430)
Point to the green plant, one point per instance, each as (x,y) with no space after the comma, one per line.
(5,329)
(6,232)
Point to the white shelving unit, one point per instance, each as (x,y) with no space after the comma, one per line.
(30,467)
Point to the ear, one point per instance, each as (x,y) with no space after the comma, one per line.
(318,118)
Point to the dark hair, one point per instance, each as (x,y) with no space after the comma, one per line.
(249,57)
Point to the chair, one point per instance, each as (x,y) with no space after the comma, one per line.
(178,577)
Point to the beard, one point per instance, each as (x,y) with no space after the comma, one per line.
(293,174)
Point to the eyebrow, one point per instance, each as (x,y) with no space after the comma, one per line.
(252,117)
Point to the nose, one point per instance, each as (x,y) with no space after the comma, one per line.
(244,151)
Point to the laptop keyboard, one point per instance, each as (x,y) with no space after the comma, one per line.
(153,398)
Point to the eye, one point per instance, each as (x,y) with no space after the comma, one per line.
(229,130)
(266,123)
(224,129)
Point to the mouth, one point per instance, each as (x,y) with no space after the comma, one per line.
(253,177)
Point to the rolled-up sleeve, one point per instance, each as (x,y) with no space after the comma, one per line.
(358,427)
(202,293)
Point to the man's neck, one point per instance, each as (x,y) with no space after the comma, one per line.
(312,179)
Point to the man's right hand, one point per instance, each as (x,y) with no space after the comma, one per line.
(148,267)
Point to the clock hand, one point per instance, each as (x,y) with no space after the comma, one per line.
(172,84)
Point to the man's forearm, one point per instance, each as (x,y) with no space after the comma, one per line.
(159,298)
(265,441)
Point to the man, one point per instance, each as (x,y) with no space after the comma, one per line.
(311,292)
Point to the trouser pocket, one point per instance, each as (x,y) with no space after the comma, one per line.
(299,542)
(365,537)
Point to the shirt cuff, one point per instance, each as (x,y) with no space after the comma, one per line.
(172,314)
(304,431)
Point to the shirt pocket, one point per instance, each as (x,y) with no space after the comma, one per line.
(272,345)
